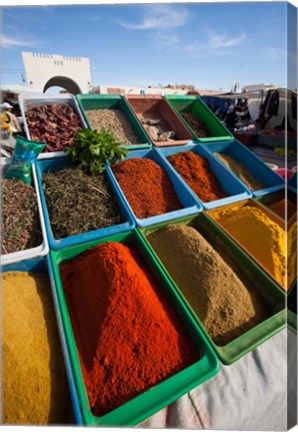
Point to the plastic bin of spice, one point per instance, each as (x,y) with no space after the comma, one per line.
(43,248)
(255,165)
(44,265)
(189,204)
(144,405)
(38,100)
(114,102)
(277,202)
(229,183)
(197,108)
(52,165)
(251,275)
(262,243)
(156,108)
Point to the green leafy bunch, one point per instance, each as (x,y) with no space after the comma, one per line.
(92,149)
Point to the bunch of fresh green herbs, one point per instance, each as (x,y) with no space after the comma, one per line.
(92,149)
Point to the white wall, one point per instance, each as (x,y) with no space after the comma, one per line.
(40,68)
(137,90)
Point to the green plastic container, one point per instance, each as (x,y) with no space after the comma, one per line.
(200,110)
(146,404)
(112,101)
(249,271)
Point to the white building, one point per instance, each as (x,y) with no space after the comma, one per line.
(48,70)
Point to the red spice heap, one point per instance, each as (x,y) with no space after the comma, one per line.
(127,334)
(195,171)
(147,187)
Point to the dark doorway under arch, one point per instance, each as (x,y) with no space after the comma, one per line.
(67,83)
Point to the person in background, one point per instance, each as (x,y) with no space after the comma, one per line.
(13,121)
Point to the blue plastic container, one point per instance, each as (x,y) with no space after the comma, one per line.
(292,183)
(43,167)
(44,265)
(228,181)
(253,163)
(191,206)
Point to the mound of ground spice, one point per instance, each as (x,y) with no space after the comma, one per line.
(127,334)
(146,186)
(35,389)
(195,171)
(263,238)
(216,294)
(240,171)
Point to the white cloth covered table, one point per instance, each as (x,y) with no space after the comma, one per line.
(250,394)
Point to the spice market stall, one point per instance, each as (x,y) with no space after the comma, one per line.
(166,263)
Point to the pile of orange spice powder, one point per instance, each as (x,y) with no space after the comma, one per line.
(127,334)
(147,187)
(195,171)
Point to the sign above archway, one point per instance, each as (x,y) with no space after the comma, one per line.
(48,70)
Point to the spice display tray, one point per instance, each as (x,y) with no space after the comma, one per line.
(228,181)
(253,203)
(161,395)
(43,167)
(247,270)
(195,105)
(112,101)
(278,195)
(156,107)
(44,265)
(43,99)
(186,198)
(292,183)
(292,307)
(37,251)
(253,163)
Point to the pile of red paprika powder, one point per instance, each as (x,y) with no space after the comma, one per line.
(195,171)
(127,334)
(146,186)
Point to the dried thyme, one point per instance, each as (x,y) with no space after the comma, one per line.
(20,219)
(78,202)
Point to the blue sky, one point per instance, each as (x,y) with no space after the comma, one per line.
(210,45)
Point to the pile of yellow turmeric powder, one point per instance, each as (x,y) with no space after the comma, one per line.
(263,238)
(34,383)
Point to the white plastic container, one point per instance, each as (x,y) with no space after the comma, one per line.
(44,99)
(35,252)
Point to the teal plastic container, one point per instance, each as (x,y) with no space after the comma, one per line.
(44,265)
(112,101)
(252,162)
(187,199)
(161,395)
(195,105)
(248,271)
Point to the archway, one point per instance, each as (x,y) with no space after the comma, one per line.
(67,83)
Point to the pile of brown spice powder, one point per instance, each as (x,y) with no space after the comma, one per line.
(224,305)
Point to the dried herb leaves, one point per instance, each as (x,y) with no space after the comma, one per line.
(78,202)
(20,219)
